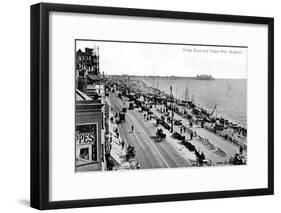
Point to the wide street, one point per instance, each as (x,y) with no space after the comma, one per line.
(150,153)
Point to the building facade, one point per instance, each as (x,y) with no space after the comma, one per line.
(90,115)
(87,62)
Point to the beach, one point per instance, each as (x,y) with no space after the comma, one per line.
(230,95)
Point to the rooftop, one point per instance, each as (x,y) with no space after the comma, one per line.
(80,96)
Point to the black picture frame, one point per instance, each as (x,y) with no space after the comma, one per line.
(40,105)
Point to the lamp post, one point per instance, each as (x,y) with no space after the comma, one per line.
(172,122)
(172,108)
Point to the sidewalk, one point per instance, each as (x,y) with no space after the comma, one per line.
(116,151)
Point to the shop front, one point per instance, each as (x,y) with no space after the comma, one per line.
(88,143)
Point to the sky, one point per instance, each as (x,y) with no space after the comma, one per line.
(118,58)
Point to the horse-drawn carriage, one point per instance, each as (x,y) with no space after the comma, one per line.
(120,96)
(121,117)
(130,153)
(178,136)
(160,135)
(177,122)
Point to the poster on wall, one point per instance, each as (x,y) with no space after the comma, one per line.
(86,147)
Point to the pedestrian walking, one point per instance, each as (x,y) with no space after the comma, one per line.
(117,135)
(123,144)
(191,135)
(241,149)
(138,165)
(132,128)
(181,130)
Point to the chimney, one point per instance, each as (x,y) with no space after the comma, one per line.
(82,81)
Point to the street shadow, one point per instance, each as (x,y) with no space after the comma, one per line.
(156,139)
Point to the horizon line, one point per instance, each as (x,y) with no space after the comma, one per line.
(171,76)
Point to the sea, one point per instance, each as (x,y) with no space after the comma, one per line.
(230,95)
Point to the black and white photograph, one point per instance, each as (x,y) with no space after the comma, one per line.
(134,106)
(148,105)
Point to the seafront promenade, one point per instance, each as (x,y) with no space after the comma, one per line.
(198,140)
(169,152)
